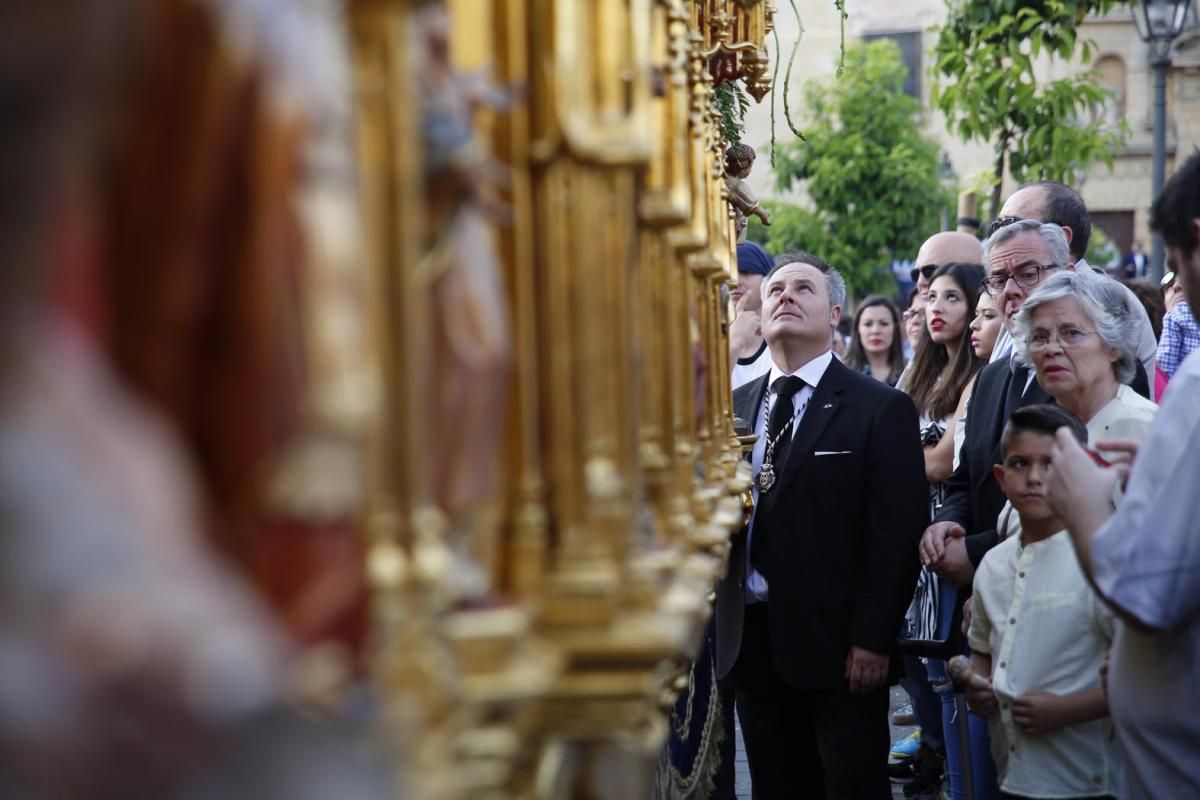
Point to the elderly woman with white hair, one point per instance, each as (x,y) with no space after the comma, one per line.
(1077,333)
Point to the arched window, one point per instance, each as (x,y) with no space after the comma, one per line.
(1110,70)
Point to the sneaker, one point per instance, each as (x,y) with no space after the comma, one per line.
(904,716)
(906,747)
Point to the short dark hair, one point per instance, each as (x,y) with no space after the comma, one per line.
(1044,419)
(1177,206)
(835,283)
(1065,207)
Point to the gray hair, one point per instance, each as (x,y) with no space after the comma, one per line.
(1102,300)
(1052,236)
(834,282)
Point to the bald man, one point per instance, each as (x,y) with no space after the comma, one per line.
(1050,201)
(947,247)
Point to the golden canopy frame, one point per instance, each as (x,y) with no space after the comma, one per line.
(600,362)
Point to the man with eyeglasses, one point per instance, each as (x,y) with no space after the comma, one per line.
(1050,201)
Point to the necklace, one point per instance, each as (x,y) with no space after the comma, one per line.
(766,473)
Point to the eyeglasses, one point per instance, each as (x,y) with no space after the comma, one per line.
(1024,276)
(912,313)
(1002,222)
(1067,339)
(926,271)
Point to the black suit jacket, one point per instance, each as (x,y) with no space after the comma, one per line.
(843,530)
(972,498)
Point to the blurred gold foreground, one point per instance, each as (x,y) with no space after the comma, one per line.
(366,424)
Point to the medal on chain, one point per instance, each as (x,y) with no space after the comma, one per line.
(766,473)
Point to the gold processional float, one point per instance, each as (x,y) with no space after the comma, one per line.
(516,238)
(554,473)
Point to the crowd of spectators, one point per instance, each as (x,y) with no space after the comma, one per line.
(1058,415)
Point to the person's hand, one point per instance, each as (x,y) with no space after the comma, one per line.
(954,565)
(745,332)
(1039,712)
(980,697)
(966,624)
(1119,449)
(1121,453)
(1075,484)
(865,670)
(933,541)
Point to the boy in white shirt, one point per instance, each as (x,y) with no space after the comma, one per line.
(1039,635)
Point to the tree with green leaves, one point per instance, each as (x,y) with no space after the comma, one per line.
(870,173)
(985,83)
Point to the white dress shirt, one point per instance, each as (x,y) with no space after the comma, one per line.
(1046,630)
(1146,560)
(811,373)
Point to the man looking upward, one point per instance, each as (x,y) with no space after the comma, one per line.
(818,583)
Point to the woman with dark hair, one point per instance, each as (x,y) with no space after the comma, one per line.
(944,366)
(875,340)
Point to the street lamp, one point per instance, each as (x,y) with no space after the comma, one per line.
(1159,23)
(946,177)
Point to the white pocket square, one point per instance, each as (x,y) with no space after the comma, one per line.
(831,452)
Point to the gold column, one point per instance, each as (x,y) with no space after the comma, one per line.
(412,664)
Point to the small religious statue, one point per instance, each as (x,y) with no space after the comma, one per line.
(738,161)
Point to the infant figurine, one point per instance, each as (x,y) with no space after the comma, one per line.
(738,161)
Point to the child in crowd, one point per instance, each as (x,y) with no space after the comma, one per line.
(1039,635)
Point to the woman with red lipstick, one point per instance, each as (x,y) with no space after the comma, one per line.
(944,365)
(875,346)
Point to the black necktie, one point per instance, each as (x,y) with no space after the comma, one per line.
(1016,391)
(782,413)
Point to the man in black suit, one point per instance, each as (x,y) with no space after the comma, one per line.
(819,582)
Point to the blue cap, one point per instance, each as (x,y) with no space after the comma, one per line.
(752,259)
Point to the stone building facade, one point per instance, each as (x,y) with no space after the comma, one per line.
(1119,199)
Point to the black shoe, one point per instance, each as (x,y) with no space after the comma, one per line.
(901,771)
(928,767)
